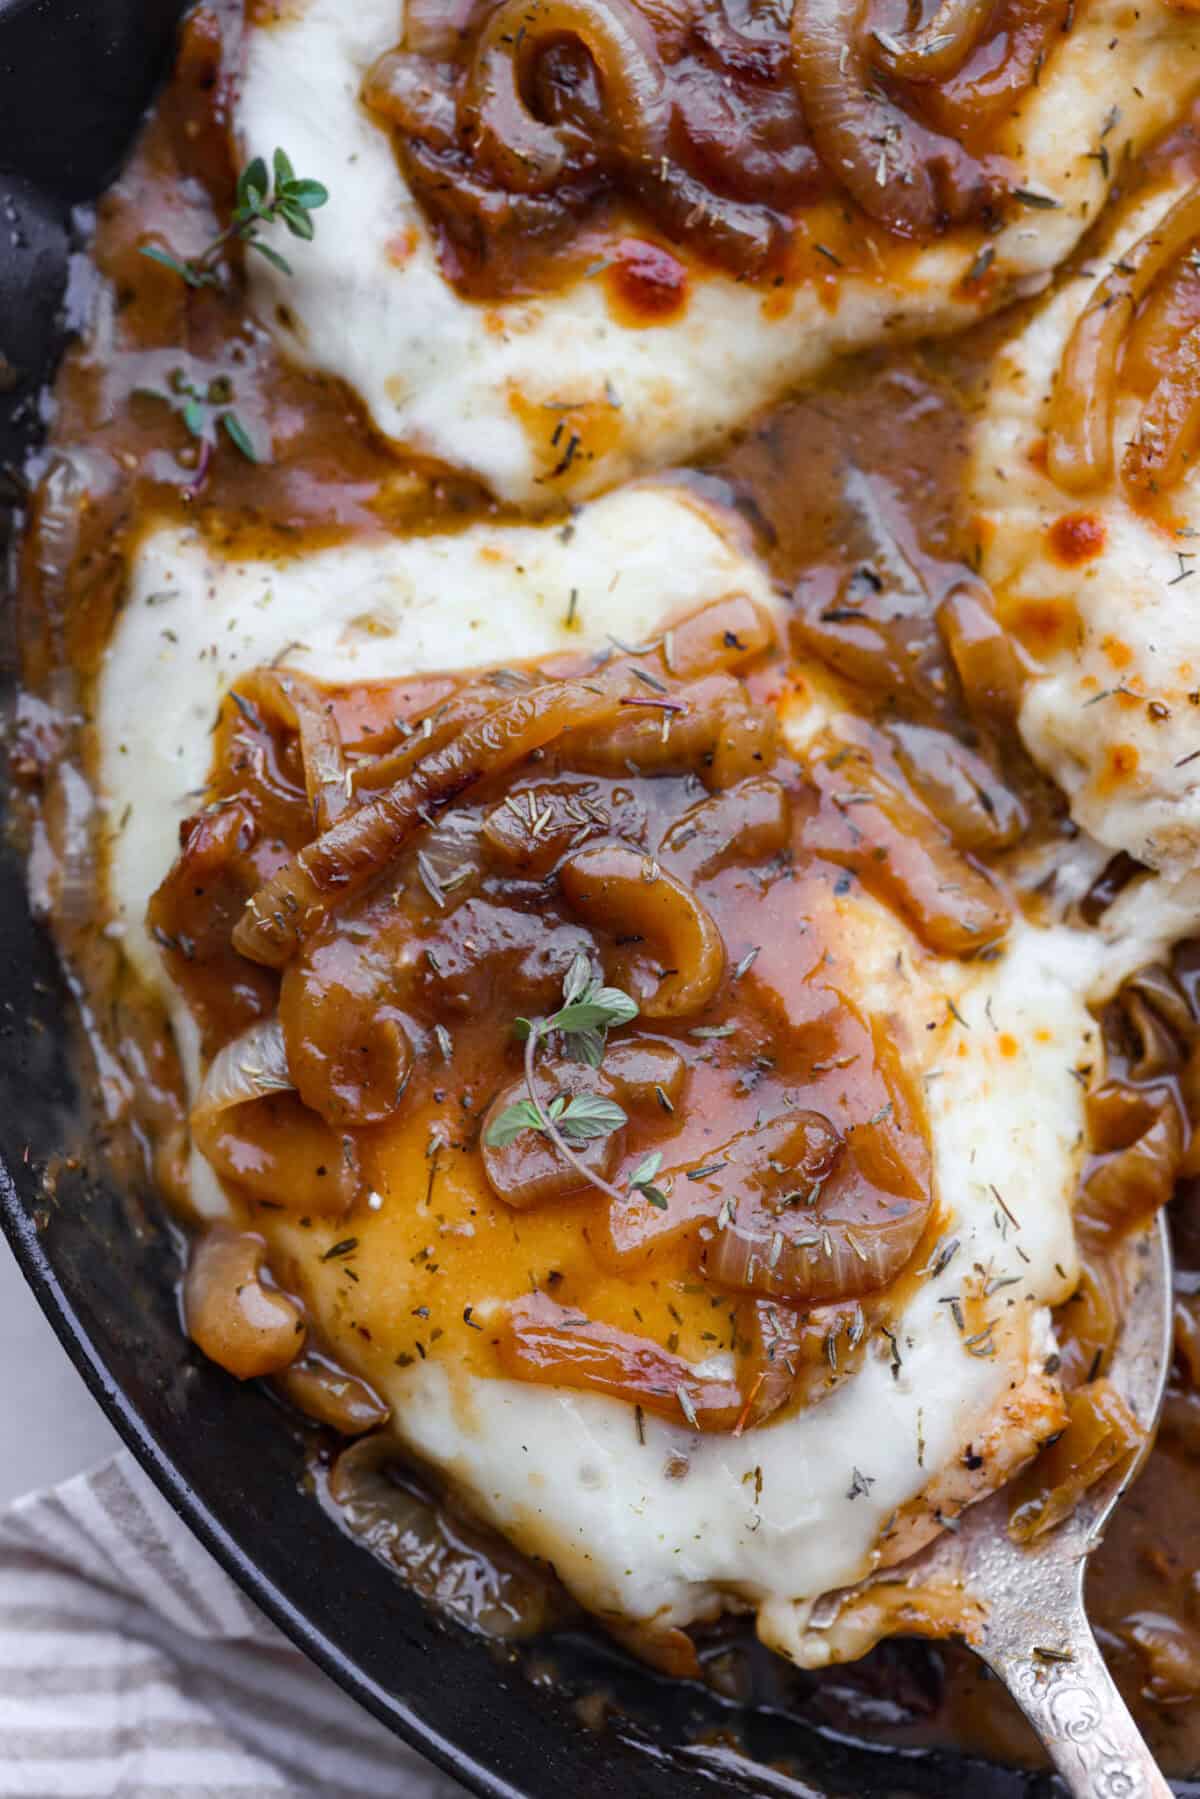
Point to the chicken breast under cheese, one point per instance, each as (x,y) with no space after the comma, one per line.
(1097,581)
(556,395)
(644,1520)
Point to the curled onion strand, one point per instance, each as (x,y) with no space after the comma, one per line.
(1079,451)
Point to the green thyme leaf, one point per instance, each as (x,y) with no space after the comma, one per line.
(187,271)
(311,195)
(272,256)
(254,183)
(297,220)
(238,435)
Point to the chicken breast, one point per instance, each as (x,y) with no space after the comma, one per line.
(559,394)
(645,1520)
(1096,584)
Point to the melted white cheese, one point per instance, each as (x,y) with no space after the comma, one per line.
(194,621)
(564,1473)
(1086,719)
(451,378)
(773,1519)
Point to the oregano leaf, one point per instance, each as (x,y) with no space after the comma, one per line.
(522,1116)
(590,1116)
(577,979)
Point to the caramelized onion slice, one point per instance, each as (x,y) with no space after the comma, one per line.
(1169,1650)
(278,1152)
(347,1045)
(780,1160)
(300,707)
(1189,1087)
(645,1071)
(887,163)
(347,858)
(1129,1185)
(437,27)
(250,1067)
(331,1396)
(191,917)
(558,1347)
(274,1148)
(1101,1431)
(736,233)
(771,1348)
(939,47)
(518,149)
(1088,1324)
(1079,454)
(1159,988)
(960,788)
(669,1651)
(784,1354)
(817,1260)
(726,634)
(749,822)
(1158,1050)
(239,1322)
(718,730)
(1163,448)
(983,654)
(841,1222)
(408,92)
(621,890)
(867,822)
(428,734)
(459,1567)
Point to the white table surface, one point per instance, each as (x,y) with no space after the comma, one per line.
(50,1426)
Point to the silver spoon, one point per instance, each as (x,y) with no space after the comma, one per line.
(1032,1594)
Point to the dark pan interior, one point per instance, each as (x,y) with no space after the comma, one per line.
(74,80)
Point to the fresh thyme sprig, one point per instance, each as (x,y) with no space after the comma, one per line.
(287,200)
(588,1012)
(204,411)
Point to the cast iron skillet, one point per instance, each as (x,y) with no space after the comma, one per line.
(74,80)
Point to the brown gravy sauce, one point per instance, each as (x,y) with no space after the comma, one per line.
(880,446)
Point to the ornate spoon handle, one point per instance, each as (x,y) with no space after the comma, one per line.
(1077,1712)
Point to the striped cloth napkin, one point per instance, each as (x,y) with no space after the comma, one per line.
(131,1667)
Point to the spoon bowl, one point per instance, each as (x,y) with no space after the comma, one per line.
(1021,1606)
